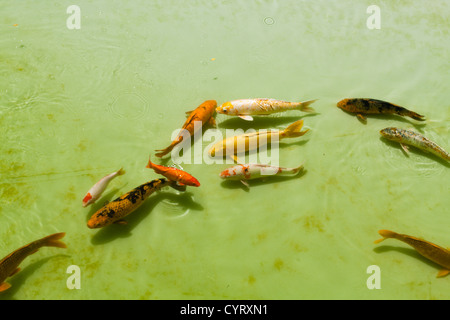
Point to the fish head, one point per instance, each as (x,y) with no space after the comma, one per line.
(344,104)
(87,200)
(236,172)
(193,182)
(226,108)
(391,133)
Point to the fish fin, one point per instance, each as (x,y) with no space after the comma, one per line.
(416,116)
(162,152)
(361,118)
(188,113)
(304,106)
(245,183)
(53,240)
(298,169)
(4,286)
(245,117)
(150,163)
(212,122)
(120,172)
(177,187)
(405,148)
(293,130)
(121,222)
(235,159)
(385,234)
(14,272)
(180,183)
(442,273)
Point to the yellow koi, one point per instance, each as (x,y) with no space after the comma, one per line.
(9,265)
(252,141)
(427,249)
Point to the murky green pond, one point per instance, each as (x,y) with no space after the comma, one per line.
(77,104)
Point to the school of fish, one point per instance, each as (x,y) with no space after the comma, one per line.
(115,211)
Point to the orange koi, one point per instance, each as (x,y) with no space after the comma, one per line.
(180,176)
(203,113)
(427,249)
(9,265)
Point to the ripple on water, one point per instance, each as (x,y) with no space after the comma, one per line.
(128,105)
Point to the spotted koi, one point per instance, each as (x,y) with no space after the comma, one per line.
(408,137)
(373,106)
(121,207)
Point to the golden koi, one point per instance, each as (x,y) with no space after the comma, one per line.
(250,171)
(203,113)
(116,210)
(251,141)
(9,265)
(245,108)
(427,249)
(97,189)
(373,106)
(408,137)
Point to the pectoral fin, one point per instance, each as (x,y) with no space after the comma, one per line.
(212,122)
(247,118)
(4,286)
(245,183)
(361,118)
(121,222)
(405,148)
(442,273)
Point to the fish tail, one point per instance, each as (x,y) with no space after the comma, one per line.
(53,240)
(293,130)
(120,172)
(163,152)
(150,163)
(386,234)
(304,106)
(415,116)
(298,169)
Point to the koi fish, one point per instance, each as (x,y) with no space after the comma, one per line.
(9,265)
(427,249)
(250,171)
(408,137)
(97,189)
(174,174)
(203,113)
(251,141)
(121,207)
(245,108)
(373,106)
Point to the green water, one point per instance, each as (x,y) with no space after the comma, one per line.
(78,104)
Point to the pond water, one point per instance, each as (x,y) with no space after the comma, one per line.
(79,103)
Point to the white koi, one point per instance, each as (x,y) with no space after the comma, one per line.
(245,108)
(243,172)
(97,189)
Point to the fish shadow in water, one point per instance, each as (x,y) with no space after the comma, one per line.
(415,150)
(409,252)
(17,280)
(236,184)
(416,125)
(261,122)
(114,231)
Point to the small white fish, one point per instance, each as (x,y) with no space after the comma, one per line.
(245,108)
(243,172)
(97,189)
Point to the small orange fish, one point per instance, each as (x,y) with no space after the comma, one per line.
(427,249)
(9,265)
(174,174)
(203,113)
